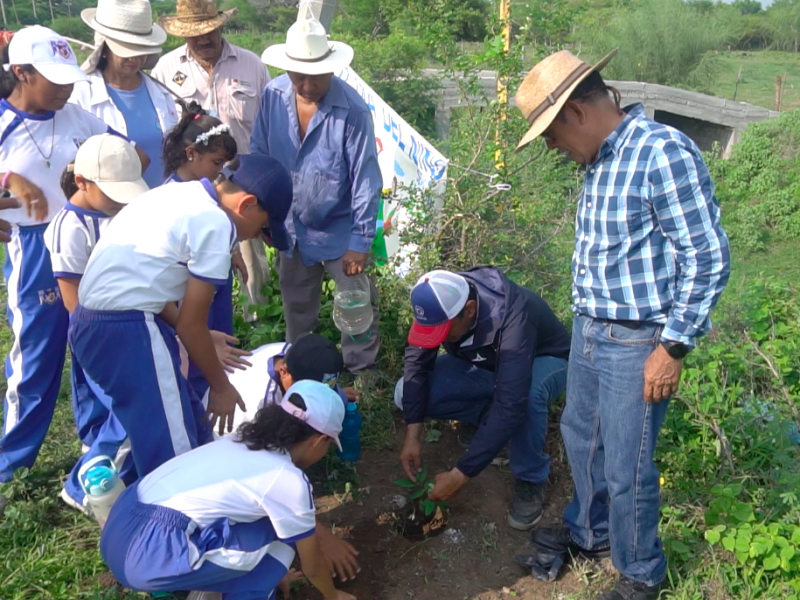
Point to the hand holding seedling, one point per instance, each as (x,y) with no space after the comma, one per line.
(411,454)
(447,485)
(420,489)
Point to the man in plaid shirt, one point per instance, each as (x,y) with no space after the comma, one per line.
(651,260)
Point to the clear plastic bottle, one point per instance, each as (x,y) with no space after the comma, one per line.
(101,482)
(352,305)
(350,437)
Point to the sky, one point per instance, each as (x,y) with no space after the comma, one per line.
(764,3)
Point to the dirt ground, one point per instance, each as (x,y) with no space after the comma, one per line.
(471,560)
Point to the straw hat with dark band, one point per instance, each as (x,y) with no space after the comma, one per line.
(194,18)
(547,87)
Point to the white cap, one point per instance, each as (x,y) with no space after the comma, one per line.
(324,407)
(48,52)
(112,163)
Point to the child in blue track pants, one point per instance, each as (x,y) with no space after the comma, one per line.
(39,136)
(196,148)
(106,175)
(172,245)
(229,516)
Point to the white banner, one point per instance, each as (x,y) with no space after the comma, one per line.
(405,157)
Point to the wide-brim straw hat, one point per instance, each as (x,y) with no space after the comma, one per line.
(194,18)
(547,87)
(308,51)
(127,21)
(121,49)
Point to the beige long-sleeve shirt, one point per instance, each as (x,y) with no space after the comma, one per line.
(231,92)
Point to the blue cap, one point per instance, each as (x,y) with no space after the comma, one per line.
(437,298)
(271,184)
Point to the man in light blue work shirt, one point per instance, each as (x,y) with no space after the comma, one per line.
(321,130)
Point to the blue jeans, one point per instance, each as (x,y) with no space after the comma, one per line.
(463,392)
(610,434)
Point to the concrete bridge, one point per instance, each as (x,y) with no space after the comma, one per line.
(705,119)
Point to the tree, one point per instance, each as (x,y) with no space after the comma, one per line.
(747,7)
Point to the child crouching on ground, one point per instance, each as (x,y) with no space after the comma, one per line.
(105,176)
(228,516)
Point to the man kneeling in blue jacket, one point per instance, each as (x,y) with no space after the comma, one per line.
(506,359)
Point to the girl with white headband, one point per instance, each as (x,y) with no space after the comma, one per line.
(197,148)
(39,136)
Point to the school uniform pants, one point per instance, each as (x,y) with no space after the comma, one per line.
(134,359)
(99,430)
(154,548)
(301,291)
(220,318)
(39,323)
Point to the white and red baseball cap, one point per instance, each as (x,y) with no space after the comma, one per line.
(48,52)
(324,410)
(437,298)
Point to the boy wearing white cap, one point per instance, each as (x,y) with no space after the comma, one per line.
(106,175)
(39,136)
(228,516)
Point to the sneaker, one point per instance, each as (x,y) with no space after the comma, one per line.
(628,589)
(526,505)
(466,432)
(70,501)
(558,539)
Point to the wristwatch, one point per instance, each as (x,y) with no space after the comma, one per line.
(676,350)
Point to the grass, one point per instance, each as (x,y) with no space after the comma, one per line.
(759,70)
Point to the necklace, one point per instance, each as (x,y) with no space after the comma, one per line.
(52,141)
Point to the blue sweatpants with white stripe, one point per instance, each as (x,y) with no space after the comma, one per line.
(39,323)
(220,318)
(99,430)
(133,357)
(154,548)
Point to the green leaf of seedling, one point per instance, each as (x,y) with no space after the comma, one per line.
(433,436)
(712,536)
(771,563)
(787,553)
(424,474)
(742,512)
(729,542)
(419,493)
(427,506)
(406,483)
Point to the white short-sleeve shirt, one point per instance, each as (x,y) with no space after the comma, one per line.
(224,479)
(71,237)
(58,135)
(152,247)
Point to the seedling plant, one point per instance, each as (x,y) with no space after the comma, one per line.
(419,491)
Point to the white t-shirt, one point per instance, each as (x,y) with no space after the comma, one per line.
(224,479)
(152,247)
(58,136)
(71,237)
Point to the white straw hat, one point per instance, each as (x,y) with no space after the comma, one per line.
(48,52)
(112,164)
(547,87)
(308,51)
(128,21)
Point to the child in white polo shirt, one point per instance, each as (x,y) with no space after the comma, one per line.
(228,517)
(106,175)
(173,244)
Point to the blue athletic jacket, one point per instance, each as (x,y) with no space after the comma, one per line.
(514,326)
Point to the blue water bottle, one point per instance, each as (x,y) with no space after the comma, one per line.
(351,433)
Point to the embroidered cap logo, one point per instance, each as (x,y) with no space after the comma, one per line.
(61,48)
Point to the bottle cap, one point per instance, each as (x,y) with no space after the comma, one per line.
(352,407)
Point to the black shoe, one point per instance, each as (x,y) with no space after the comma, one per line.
(526,505)
(552,540)
(466,431)
(628,589)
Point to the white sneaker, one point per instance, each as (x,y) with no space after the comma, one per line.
(70,501)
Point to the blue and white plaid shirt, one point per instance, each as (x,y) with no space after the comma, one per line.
(649,245)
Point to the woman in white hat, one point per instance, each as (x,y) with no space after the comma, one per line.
(39,136)
(118,92)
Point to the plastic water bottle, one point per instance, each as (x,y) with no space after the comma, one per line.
(102,485)
(350,437)
(352,305)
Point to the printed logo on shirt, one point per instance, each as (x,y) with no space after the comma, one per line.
(179,78)
(330,379)
(49,296)
(62,49)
